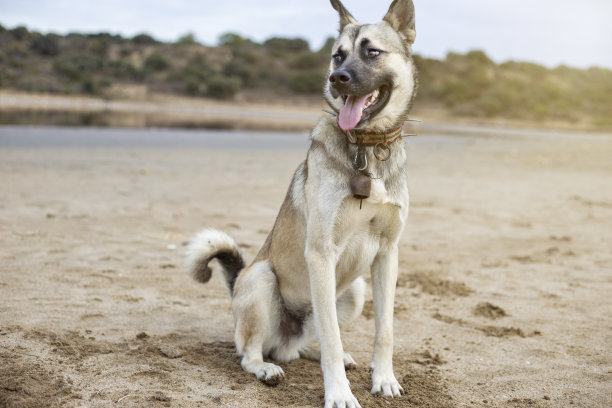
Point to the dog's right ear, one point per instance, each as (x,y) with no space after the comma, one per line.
(345,17)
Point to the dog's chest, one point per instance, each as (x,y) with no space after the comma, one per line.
(378,193)
(361,231)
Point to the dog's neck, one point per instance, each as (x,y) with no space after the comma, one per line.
(364,138)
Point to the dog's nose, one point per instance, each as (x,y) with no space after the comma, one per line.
(340,77)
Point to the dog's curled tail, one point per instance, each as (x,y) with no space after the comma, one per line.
(209,244)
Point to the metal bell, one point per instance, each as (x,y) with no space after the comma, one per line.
(361,186)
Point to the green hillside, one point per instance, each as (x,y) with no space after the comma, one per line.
(469,85)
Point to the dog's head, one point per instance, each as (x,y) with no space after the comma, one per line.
(371,81)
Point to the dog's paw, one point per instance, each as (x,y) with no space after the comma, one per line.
(386,385)
(270,374)
(349,362)
(338,393)
(341,399)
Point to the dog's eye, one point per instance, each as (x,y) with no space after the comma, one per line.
(373,53)
(337,58)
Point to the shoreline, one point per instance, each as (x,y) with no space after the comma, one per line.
(169,111)
(439,133)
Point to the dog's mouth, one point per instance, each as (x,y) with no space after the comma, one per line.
(359,109)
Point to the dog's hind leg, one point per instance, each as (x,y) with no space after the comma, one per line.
(348,306)
(255,306)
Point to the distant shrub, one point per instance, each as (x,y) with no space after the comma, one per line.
(88,63)
(220,87)
(16,49)
(478,57)
(99,46)
(498,101)
(125,70)
(144,39)
(75,67)
(90,86)
(34,84)
(75,36)
(5,78)
(326,49)
(534,71)
(19,33)
(193,75)
(107,37)
(196,68)
(201,73)
(156,62)
(250,56)
(188,38)
(233,40)
(279,45)
(66,68)
(239,69)
(47,45)
(191,86)
(106,82)
(308,60)
(307,83)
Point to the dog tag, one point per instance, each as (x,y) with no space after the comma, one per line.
(361,186)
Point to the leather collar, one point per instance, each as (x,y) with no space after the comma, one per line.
(372,139)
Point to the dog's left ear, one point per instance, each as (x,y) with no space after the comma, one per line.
(401,18)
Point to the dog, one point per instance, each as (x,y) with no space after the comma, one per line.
(342,217)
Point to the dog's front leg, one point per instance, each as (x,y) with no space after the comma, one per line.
(321,267)
(384,277)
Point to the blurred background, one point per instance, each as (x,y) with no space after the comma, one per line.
(192,63)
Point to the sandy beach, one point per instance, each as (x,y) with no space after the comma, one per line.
(503,297)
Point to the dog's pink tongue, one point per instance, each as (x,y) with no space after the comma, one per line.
(350,114)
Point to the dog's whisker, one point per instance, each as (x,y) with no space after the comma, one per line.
(409,135)
(330,112)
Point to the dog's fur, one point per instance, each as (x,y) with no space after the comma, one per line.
(306,282)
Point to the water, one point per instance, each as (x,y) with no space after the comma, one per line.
(431,132)
(15,136)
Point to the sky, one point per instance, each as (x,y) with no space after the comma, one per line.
(547,32)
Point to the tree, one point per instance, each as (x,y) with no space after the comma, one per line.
(188,38)
(47,45)
(233,40)
(19,33)
(280,46)
(144,39)
(223,87)
(156,62)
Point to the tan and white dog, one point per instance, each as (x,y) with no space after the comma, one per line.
(306,282)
